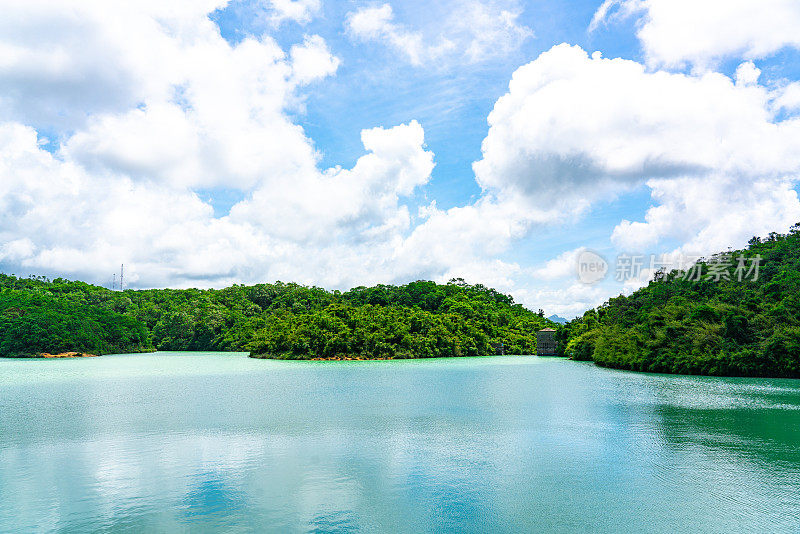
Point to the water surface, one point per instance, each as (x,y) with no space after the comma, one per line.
(197,441)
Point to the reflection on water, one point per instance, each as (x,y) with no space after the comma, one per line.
(199,441)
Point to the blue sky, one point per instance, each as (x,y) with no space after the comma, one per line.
(372,87)
(209,143)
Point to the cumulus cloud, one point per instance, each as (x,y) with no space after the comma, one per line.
(60,62)
(312,60)
(473,32)
(562,266)
(675,33)
(710,213)
(149,106)
(202,113)
(122,183)
(576,129)
(335,204)
(787,98)
(330,227)
(177,103)
(197,113)
(455,237)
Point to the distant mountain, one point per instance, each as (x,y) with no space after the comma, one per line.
(557,319)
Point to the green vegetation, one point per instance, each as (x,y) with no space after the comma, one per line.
(33,322)
(730,327)
(417,320)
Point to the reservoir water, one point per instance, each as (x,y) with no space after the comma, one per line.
(172,442)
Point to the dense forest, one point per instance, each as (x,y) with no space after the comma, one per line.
(711,320)
(722,317)
(420,319)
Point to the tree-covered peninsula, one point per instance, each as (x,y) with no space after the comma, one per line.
(418,320)
(709,320)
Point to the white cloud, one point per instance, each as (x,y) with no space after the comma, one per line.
(336,227)
(708,214)
(614,10)
(60,62)
(574,130)
(488,30)
(562,266)
(461,235)
(312,60)
(202,113)
(197,113)
(16,250)
(679,32)
(787,98)
(473,32)
(223,122)
(566,301)
(747,74)
(300,11)
(334,204)
(157,106)
(121,186)
(377,24)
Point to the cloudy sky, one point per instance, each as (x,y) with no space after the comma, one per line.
(342,143)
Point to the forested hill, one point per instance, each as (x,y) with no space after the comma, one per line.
(420,319)
(678,324)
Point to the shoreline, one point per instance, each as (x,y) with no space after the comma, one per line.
(326,358)
(67,355)
(369,358)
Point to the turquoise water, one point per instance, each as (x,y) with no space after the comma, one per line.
(173,442)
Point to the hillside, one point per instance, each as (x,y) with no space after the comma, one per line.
(731,327)
(420,319)
(35,321)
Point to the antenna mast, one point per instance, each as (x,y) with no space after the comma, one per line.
(121,275)
(113,281)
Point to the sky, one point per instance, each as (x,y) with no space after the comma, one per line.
(203,143)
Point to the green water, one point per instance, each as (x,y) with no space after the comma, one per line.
(172,442)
